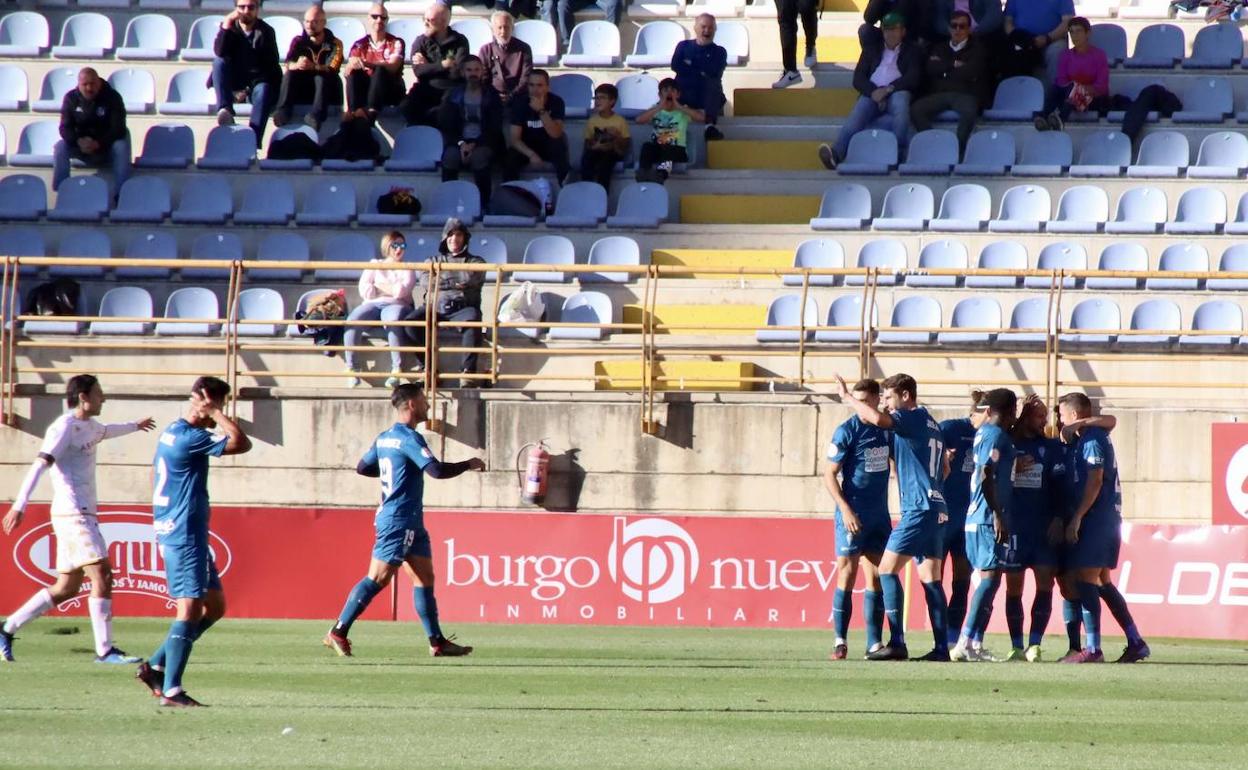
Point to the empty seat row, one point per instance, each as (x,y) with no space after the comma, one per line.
(1218,46)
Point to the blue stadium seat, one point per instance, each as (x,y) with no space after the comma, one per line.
(407,29)
(370,217)
(14,88)
(1217,315)
(477,30)
(593,43)
(1044,153)
(1222,155)
(1024,209)
(542,39)
(214,246)
(1093,322)
(906,207)
(168,145)
(1206,100)
(268,200)
(493,250)
(62,327)
(1081,209)
(456,198)
(931,152)
(999,255)
(1180,257)
(1240,225)
(151,244)
(871,152)
(124,302)
(546,250)
(24,242)
(85,36)
(988,153)
(363,164)
(1234,260)
(580,204)
(1217,46)
(1200,211)
(846,311)
(638,93)
(584,307)
(1063,255)
(191,302)
(576,90)
(1120,256)
(348,29)
(1032,314)
(886,254)
(972,313)
(286,28)
(149,37)
(946,254)
(619,250)
(1104,153)
(1157,46)
(83,243)
(734,36)
(1140,210)
(23,197)
(1017,98)
(916,312)
(80,199)
(654,44)
(1153,315)
(288,164)
(416,148)
(817,253)
(641,204)
(260,304)
(553,302)
(301,305)
(1112,39)
(56,83)
(230,148)
(189,94)
(137,89)
(280,247)
(328,203)
(24,34)
(203,32)
(963,208)
(844,206)
(206,200)
(1162,154)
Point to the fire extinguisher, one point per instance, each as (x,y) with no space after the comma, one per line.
(536,472)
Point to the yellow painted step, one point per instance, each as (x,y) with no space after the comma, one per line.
(748,209)
(761,258)
(771,155)
(851,6)
(677,375)
(702,319)
(794,102)
(831,49)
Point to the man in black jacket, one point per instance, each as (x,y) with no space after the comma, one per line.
(246,67)
(93,129)
(436,56)
(885,78)
(471,121)
(311,77)
(458,296)
(957,79)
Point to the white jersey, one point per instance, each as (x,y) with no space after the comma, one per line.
(71,443)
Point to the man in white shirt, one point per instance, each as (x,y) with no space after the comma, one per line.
(69,450)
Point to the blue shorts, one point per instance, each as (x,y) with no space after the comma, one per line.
(1032,546)
(1098,546)
(189,571)
(918,534)
(953,541)
(394,544)
(871,538)
(982,550)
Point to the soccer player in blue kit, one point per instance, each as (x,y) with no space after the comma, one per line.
(919,455)
(180,513)
(958,435)
(859,454)
(399,457)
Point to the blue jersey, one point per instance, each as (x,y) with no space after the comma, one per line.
(180,495)
(993,448)
(1092,450)
(862,451)
(1040,490)
(401,455)
(958,435)
(919,453)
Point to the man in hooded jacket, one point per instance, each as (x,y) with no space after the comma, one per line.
(458,296)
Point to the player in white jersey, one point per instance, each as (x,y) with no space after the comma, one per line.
(69,450)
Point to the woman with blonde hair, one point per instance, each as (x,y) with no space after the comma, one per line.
(386,292)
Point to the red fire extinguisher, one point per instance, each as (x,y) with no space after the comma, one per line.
(536,472)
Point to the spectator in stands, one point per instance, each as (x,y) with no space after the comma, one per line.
(561,14)
(1035,35)
(913,11)
(246,66)
(508,59)
(374,71)
(458,297)
(957,79)
(987,20)
(93,129)
(885,77)
(537,134)
(471,121)
(787,14)
(606,137)
(1082,80)
(387,296)
(669,139)
(311,77)
(698,65)
(436,59)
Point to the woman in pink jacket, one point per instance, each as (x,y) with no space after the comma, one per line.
(1082,80)
(387,296)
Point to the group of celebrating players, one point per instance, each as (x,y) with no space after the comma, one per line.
(992,494)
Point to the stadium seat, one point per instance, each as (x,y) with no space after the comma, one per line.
(1240,225)
(260,304)
(871,152)
(416,148)
(735,38)
(1162,154)
(641,204)
(1093,315)
(280,247)
(654,44)
(189,94)
(231,148)
(407,29)
(988,153)
(1153,315)
(638,93)
(124,302)
(286,28)
(1081,209)
(1234,260)
(1217,315)
(946,254)
(24,242)
(168,145)
(301,305)
(363,164)
(288,164)
(226,246)
(1044,153)
(846,311)
(593,43)
(577,92)
(1112,39)
(371,217)
(328,203)
(456,198)
(886,254)
(619,250)
(206,200)
(85,36)
(1030,313)
(203,32)
(36,143)
(972,313)
(1120,256)
(348,29)
(1024,209)
(24,34)
(816,253)
(1140,210)
(963,208)
(152,244)
(267,200)
(477,30)
(56,83)
(553,302)
(542,39)
(1205,100)
(1017,98)
(192,302)
(546,250)
(844,206)
(149,36)
(23,196)
(1222,155)
(932,152)
(916,312)
(999,255)
(580,204)
(493,250)
(1063,255)
(61,327)
(14,88)
(83,243)
(1217,46)
(1157,46)
(1104,153)
(137,89)
(80,199)
(1200,211)
(906,207)
(584,307)
(1176,258)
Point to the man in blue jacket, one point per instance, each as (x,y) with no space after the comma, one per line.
(699,68)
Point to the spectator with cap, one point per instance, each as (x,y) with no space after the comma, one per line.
(699,65)
(471,121)
(246,66)
(436,59)
(458,297)
(311,77)
(374,70)
(508,59)
(957,79)
(1082,83)
(93,129)
(1035,33)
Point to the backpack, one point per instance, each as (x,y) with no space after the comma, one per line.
(352,141)
(295,146)
(400,200)
(58,297)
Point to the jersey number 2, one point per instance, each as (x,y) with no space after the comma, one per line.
(159,498)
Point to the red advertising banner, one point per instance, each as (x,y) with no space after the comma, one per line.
(623,569)
(1229,479)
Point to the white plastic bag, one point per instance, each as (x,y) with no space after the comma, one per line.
(523,304)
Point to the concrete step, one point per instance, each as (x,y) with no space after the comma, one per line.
(748,209)
(772,155)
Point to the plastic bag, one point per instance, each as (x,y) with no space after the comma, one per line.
(523,304)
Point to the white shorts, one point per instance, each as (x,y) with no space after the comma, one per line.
(78,542)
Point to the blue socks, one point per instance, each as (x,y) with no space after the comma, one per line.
(1041,610)
(937,613)
(357,601)
(1118,608)
(894,599)
(1014,619)
(981,608)
(873,614)
(177,650)
(427,609)
(958,592)
(1074,623)
(1090,601)
(157,661)
(842,611)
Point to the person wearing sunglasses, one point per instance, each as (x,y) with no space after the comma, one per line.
(987,20)
(246,66)
(374,71)
(387,295)
(957,79)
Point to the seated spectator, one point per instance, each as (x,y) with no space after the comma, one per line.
(885,78)
(606,138)
(436,56)
(669,139)
(913,11)
(698,65)
(1035,32)
(246,66)
(987,20)
(537,135)
(311,77)
(93,129)
(458,296)
(1154,98)
(471,121)
(1082,80)
(787,14)
(957,79)
(387,296)
(374,71)
(508,59)
(561,14)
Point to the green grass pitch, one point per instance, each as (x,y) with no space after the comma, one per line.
(569,697)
